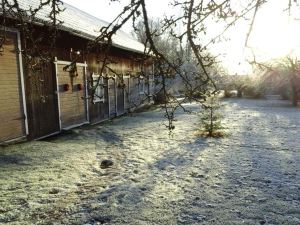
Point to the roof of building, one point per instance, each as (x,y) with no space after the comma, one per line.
(83,24)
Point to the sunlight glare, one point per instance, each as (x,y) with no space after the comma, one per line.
(274,33)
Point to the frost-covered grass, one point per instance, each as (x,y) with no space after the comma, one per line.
(249,177)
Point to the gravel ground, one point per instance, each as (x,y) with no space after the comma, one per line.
(250,177)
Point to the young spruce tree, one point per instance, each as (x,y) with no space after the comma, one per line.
(210,117)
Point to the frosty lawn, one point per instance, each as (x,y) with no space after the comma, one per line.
(250,177)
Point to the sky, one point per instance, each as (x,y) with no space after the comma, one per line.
(274,33)
(106,10)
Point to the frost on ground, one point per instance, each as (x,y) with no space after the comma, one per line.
(250,177)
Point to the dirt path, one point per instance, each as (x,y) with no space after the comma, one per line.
(251,177)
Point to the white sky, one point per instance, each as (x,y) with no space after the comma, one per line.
(274,34)
(106,10)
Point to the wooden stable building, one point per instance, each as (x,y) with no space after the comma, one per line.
(42,102)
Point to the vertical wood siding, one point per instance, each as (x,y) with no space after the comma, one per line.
(120,99)
(112,97)
(120,96)
(98,111)
(11,111)
(134,92)
(73,101)
(42,101)
(126,94)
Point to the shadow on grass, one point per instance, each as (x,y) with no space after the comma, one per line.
(130,195)
(16,159)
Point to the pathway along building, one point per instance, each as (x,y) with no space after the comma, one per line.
(39,102)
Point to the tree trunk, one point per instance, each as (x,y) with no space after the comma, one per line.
(239,93)
(211,122)
(294,90)
(294,95)
(227,93)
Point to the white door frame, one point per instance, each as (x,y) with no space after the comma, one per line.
(22,80)
(60,62)
(109,97)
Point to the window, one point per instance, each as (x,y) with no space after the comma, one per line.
(98,84)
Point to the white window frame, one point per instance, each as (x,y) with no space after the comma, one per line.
(99,95)
(141,85)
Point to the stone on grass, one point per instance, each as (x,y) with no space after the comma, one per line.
(106,164)
(54,191)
